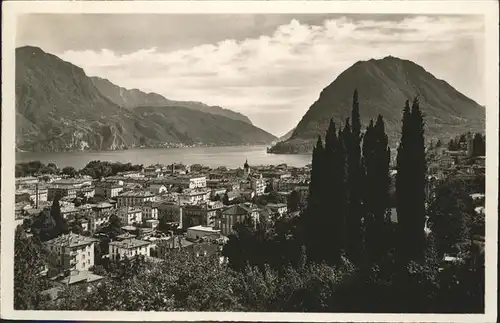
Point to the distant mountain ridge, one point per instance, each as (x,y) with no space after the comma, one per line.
(59,108)
(132,98)
(384,85)
(287,135)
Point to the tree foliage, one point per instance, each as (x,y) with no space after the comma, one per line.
(29,262)
(451,213)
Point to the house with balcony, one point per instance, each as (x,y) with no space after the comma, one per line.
(70,252)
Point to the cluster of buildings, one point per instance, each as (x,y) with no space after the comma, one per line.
(160,208)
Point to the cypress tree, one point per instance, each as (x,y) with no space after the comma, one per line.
(402,189)
(376,159)
(340,199)
(369,187)
(312,215)
(419,182)
(61,225)
(382,163)
(355,211)
(330,193)
(410,184)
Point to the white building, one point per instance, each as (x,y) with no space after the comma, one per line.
(128,248)
(195,196)
(258,185)
(134,198)
(71,252)
(130,215)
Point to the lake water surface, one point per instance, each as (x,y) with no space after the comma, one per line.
(231,157)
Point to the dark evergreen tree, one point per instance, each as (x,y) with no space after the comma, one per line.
(225,199)
(340,200)
(61,225)
(376,157)
(439,144)
(293,201)
(479,145)
(332,216)
(410,184)
(354,181)
(312,215)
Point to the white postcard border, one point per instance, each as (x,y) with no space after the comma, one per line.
(10,11)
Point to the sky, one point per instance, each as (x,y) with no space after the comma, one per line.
(270,67)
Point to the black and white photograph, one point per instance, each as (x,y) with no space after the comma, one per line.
(317,161)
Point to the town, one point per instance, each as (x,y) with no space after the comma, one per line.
(158,209)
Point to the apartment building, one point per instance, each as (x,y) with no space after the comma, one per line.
(135,198)
(70,252)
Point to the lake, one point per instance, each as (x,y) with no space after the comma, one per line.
(231,157)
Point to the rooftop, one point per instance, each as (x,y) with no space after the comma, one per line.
(71,240)
(137,194)
(103,205)
(81,276)
(204,228)
(240,209)
(129,243)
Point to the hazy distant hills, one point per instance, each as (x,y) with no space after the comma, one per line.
(384,85)
(58,107)
(287,135)
(133,98)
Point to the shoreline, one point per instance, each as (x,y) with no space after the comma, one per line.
(20,151)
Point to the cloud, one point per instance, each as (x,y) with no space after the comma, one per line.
(281,74)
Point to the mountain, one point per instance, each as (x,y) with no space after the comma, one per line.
(287,135)
(133,98)
(383,86)
(59,108)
